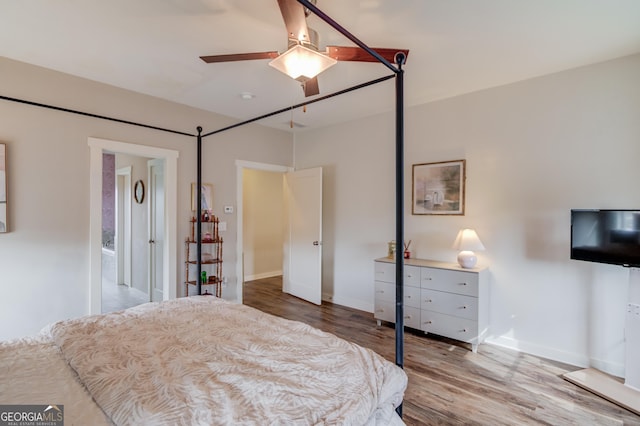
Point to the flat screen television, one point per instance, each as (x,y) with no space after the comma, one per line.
(606,236)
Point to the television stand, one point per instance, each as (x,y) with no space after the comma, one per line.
(626,395)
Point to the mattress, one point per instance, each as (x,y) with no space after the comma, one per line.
(200,361)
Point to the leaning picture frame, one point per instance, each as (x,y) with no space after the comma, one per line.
(3,188)
(207,197)
(438,188)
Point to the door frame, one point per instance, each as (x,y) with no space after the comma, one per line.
(96,148)
(123,226)
(240,166)
(151,220)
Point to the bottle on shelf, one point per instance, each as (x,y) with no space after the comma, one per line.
(210,260)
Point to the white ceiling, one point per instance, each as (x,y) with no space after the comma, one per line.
(456,47)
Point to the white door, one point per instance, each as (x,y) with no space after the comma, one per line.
(302,269)
(156,228)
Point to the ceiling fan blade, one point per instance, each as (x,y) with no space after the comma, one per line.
(310,87)
(357,54)
(294,20)
(239,57)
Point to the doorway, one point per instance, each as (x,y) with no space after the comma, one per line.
(300,206)
(258,261)
(117,288)
(262,224)
(169,206)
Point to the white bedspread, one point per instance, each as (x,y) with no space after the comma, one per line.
(204,361)
(32,371)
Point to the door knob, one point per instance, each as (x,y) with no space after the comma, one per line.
(316,243)
(152,242)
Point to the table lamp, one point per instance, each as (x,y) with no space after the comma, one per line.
(467,242)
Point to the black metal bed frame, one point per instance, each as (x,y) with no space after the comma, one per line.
(399,153)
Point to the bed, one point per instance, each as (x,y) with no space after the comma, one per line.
(199,361)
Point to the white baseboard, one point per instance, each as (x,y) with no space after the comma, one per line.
(550,353)
(608,367)
(262,275)
(349,303)
(541,351)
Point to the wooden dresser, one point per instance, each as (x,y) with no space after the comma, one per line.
(439,298)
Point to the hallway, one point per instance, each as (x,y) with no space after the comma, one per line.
(117,297)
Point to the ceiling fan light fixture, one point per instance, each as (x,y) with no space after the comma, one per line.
(302,63)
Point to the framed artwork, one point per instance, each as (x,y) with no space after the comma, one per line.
(138,191)
(438,188)
(3,188)
(207,197)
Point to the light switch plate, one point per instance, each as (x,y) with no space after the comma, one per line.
(222,226)
(228,209)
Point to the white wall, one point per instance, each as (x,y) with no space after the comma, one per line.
(534,150)
(44,258)
(263,219)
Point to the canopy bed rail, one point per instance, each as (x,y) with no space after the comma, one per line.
(302,104)
(88,114)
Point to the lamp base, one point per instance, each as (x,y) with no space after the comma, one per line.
(467,259)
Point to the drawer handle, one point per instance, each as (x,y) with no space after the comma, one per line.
(428,300)
(380,310)
(427,322)
(408,297)
(407,317)
(427,278)
(463,307)
(464,330)
(409,276)
(380,291)
(462,283)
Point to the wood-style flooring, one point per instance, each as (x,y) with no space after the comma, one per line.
(448,384)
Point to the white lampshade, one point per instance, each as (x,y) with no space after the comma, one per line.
(467,242)
(302,63)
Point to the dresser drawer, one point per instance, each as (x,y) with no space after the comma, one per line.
(449,303)
(451,281)
(385,292)
(449,326)
(386,311)
(385,272)
(412,276)
(412,317)
(412,297)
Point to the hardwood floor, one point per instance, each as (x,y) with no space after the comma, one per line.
(448,384)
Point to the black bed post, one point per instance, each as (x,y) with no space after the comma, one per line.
(400,58)
(198,215)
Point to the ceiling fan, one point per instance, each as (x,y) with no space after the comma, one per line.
(303,61)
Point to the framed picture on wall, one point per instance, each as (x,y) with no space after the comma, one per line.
(3,188)
(138,191)
(207,196)
(438,188)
